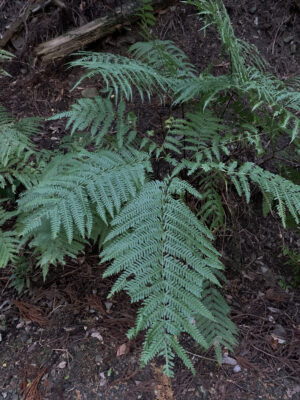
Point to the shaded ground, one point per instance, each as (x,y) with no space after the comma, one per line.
(70,343)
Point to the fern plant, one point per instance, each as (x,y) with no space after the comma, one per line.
(5,56)
(156,234)
(19,167)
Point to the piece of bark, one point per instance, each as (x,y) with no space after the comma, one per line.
(77,38)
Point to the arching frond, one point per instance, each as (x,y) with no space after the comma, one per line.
(50,251)
(164,56)
(211,212)
(16,149)
(241,53)
(163,254)
(101,119)
(221,332)
(14,136)
(205,87)
(8,241)
(75,184)
(122,74)
(204,137)
(285,193)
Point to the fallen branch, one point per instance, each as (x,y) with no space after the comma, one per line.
(77,38)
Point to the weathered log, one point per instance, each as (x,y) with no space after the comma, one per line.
(77,38)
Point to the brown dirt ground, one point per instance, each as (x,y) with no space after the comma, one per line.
(69,344)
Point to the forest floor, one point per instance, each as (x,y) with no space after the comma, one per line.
(61,339)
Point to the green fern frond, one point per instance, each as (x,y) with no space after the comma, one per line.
(170,143)
(146,15)
(8,247)
(163,254)
(284,192)
(241,53)
(16,149)
(8,240)
(221,332)
(164,56)
(49,251)
(248,68)
(14,136)
(272,90)
(205,136)
(5,56)
(205,88)
(121,74)
(211,211)
(96,114)
(74,185)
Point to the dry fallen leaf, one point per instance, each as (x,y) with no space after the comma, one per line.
(122,350)
(78,395)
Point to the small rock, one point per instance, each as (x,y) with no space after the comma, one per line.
(229,360)
(252,9)
(102,381)
(14,397)
(4,395)
(237,368)
(90,92)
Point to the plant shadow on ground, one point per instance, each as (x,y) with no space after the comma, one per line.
(74,345)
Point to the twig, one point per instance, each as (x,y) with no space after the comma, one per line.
(125,378)
(198,356)
(284,21)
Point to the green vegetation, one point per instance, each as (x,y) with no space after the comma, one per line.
(157,234)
